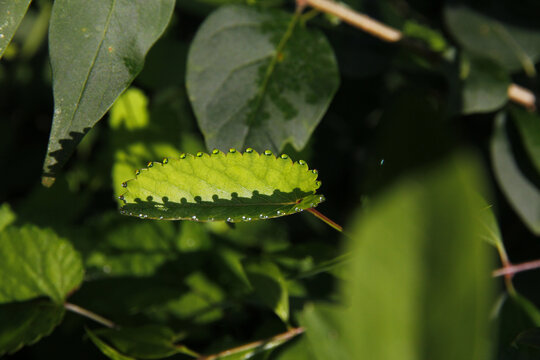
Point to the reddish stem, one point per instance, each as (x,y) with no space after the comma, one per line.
(509,269)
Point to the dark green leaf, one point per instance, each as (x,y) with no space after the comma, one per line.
(11,14)
(485,85)
(96,51)
(218,187)
(420,277)
(36,262)
(259,78)
(513,46)
(26,323)
(144,342)
(106,349)
(522,194)
(270,287)
(528,125)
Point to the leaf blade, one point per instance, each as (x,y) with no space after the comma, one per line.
(95,53)
(219,187)
(12,12)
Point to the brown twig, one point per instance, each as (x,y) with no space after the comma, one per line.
(90,315)
(256,344)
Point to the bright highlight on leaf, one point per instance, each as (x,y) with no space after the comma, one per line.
(222,187)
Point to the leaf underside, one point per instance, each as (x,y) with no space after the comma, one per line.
(229,187)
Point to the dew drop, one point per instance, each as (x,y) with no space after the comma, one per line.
(145,216)
(123,212)
(261,216)
(194,218)
(137,172)
(165,160)
(199,154)
(284,156)
(279,212)
(248,219)
(318,183)
(302,162)
(141,216)
(322,198)
(249,150)
(161,218)
(182,156)
(215,151)
(150,164)
(124,184)
(121,197)
(314,171)
(210,219)
(381,163)
(229,220)
(130,214)
(232,150)
(243,218)
(267,152)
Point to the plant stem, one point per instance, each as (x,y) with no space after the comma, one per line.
(256,344)
(516,93)
(90,315)
(514,269)
(325,219)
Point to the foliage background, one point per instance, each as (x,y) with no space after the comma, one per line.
(399,114)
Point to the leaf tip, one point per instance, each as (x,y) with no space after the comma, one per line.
(47,181)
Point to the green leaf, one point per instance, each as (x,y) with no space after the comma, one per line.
(144,342)
(233,187)
(420,277)
(270,287)
(26,323)
(36,262)
(96,51)
(514,47)
(521,193)
(259,78)
(7,216)
(11,14)
(485,85)
(106,349)
(489,228)
(528,125)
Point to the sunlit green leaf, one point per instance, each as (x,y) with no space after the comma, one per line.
(36,262)
(96,51)
(232,187)
(259,78)
(11,14)
(420,283)
(528,125)
(521,192)
(24,323)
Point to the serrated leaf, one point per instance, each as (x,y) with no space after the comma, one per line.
(96,51)
(513,46)
(232,187)
(35,262)
(521,192)
(26,323)
(528,125)
(144,342)
(259,78)
(105,348)
(11,14)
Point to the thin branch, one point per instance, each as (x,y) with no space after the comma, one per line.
(256,344)
(384,32)
(361,21)
(90,315)
(522,96)
(514,269)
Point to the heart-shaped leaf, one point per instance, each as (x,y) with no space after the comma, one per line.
(217,187)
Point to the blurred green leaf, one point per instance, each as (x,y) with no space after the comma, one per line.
(35,262)
(420,288)
(144,342)
(130,110)
(258,78)
(489,228)
(270,287)
(38,33)
(485,85)
(25,323)
(7,216)
(95,53)
(11,15)
(513,46)
(106,349)
(521,192)
(234,187)
(528,125)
